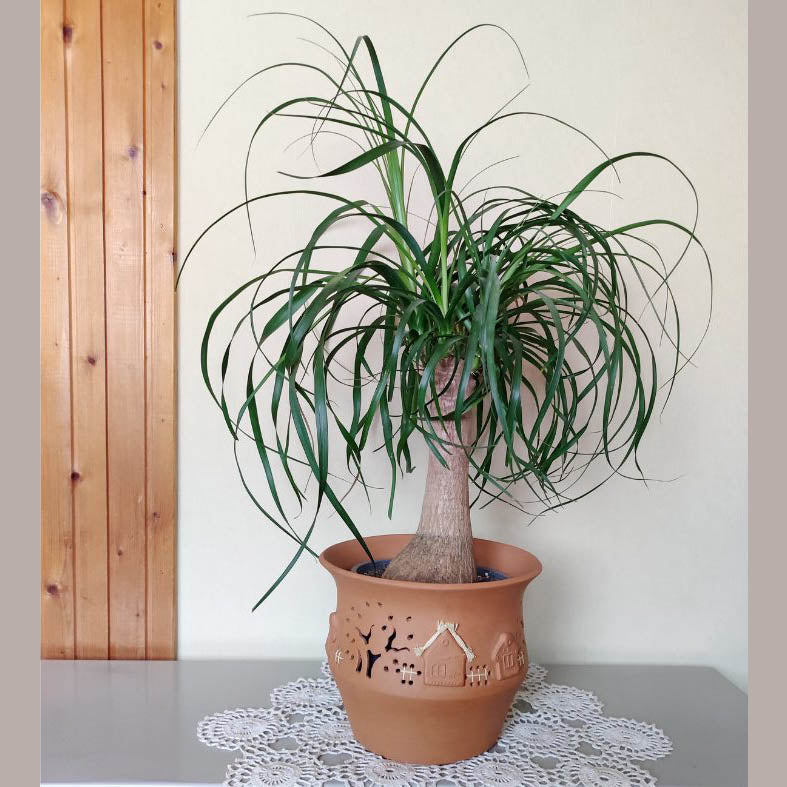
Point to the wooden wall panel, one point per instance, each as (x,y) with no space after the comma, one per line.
(57,569)
(82,41)
(124,226)
(160,261)
(108,328)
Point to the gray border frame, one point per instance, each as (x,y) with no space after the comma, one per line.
(20,469)
(767,381)
(20,463)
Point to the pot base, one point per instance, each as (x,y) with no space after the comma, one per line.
(426,732)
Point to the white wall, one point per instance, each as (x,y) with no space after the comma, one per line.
(631,574)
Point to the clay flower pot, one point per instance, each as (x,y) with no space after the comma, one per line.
(427,672)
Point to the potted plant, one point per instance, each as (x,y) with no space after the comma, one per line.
(509,339)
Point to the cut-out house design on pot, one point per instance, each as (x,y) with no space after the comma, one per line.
(508,656)
(445,656)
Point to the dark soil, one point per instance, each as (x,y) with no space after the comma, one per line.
(377,569)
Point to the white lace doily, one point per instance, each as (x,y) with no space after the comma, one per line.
(554,736)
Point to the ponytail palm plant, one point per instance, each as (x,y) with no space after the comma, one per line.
(516,338)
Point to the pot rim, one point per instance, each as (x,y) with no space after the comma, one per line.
(434,587)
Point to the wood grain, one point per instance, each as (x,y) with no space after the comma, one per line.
(82,41)
(160,265)
(124,228)
(57,569)
(108,360)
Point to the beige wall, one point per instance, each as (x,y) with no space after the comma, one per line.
(631,574)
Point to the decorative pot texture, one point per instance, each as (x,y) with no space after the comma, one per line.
(427,672)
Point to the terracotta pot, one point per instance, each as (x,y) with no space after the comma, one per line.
(427,672)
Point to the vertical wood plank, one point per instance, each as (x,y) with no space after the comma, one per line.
(160,264)
(124,126)
(88,351)
(57,576)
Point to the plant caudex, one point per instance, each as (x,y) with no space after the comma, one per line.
(506,338)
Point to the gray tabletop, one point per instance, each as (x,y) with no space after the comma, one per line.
(126,723)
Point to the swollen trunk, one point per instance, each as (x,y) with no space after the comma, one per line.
(442,548)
